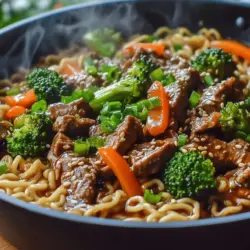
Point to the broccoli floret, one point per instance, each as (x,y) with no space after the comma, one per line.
(31,135)
(134,85)
(104,41)
(189,174)
(215,62)
(48,85)
(235,117)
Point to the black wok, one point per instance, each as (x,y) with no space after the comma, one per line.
(30,227)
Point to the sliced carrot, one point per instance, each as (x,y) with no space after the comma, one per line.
(24,100)
(70,67)
(14,112)
(158,118)
(122,171)
(157,48)
(233,47)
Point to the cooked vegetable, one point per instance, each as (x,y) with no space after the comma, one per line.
(189,174)
(87,95)
(235,119)
(84,147)
(158,118)
(70,68)
(104,41)
(14,112)
(152,198)
(177,47)
(215,62)
(24,100)
(3,167)
(90,67)
(39,106)
(122,171)
(110,73)
(233,47)
(194,99)
(133,85)
(48,85)
(165,79)
(31,136)
(13,91)
(154,47)
(182,140)
(209,80)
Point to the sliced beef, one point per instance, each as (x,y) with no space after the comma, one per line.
(186,80)
(78,176)
(72,125)
(95,130)
(78,107)
(224,155)
(61,143)
(126,134)
(82,80)
(204,123)
(150,157)
(214,97)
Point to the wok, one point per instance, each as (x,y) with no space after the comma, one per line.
(31,227)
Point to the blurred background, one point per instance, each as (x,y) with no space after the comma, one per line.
(14,10)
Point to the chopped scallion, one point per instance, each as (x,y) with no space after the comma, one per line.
(3,167)
(13,91)
(194,99)
(90,67)
(182,140)
(177,47)
(168,79)
(152,198)
(209,80)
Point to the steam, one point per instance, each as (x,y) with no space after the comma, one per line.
(54,33)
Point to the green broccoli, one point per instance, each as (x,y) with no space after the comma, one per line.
(48,85)
(235,119)
(104,41)
(31,135)
(133,85)
(188,174)
(215,62)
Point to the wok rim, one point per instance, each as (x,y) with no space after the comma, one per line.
(48,212)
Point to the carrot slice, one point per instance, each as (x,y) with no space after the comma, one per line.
(158,118)
(233,47)
(70,67)
(157,48)
(14,112)
(122,171)
(24,100)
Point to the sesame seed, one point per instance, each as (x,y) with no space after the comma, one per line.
(184,150)
(210,154)
(98,162)
(125,156)
(66,184)
(203,139)
(218,147)
(204,153)
(80,163)
(241,165)
(187,121)
(196,139)
(239,161)
(238,146)
(203,74)
(153,142)
(193,149)
(175,143)
(222,105)
(200,148)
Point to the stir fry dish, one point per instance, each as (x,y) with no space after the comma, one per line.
(152,128)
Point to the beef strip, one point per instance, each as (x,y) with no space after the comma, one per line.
(215,96)
(78,176)
(72,125)
(186,80)
(61,143)
(204,123)
(82,80)
(126,134)
(78,107)
(224,155)
(150,157)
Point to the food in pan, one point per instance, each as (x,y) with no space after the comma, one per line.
(154,128)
